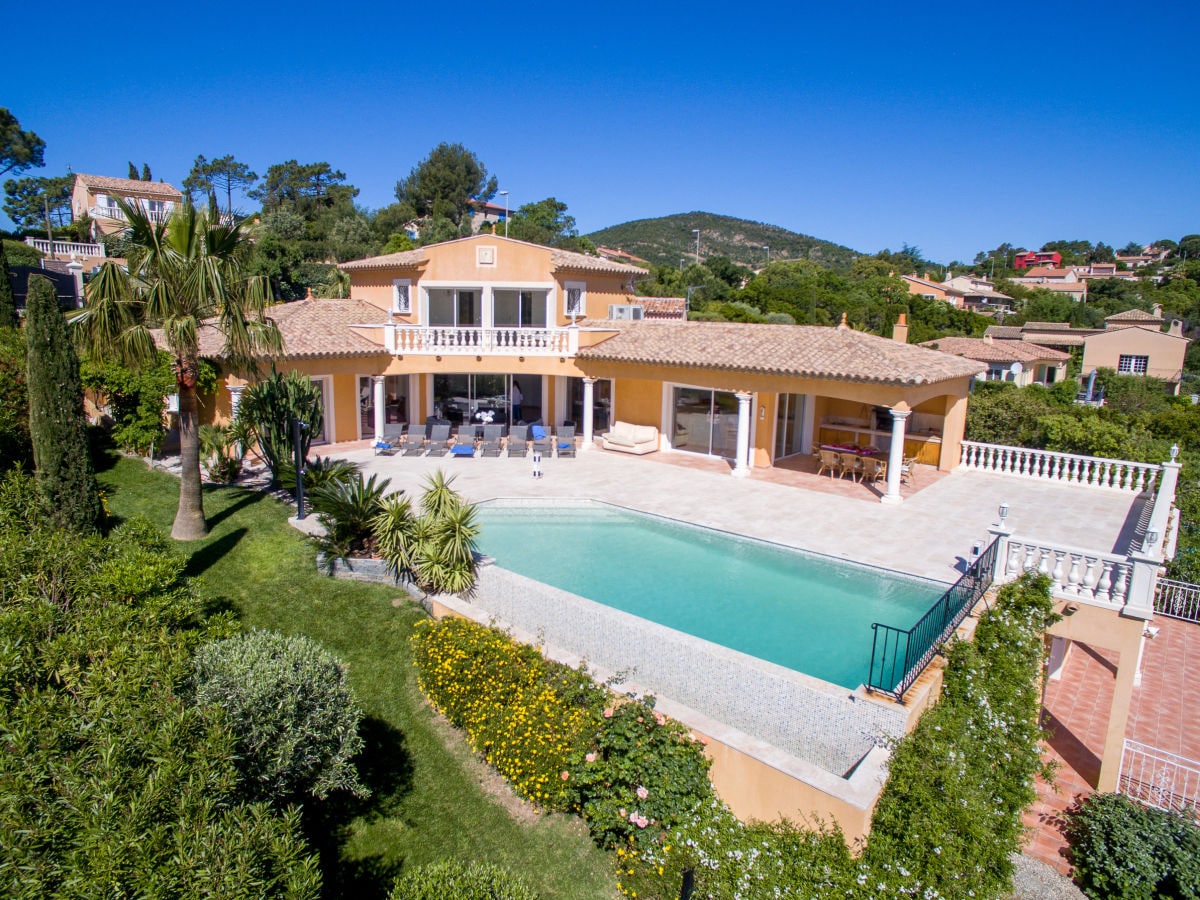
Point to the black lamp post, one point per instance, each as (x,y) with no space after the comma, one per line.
(297,428)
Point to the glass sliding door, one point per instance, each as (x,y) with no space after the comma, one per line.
(705,421)
(366,406)
(451,307)
(601,403)
(519,309)
(790,413)
(462,398)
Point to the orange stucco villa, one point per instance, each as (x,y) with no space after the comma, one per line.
(450,330)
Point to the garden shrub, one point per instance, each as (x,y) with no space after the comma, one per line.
(957,785)
(453,879)
(561,740)
(1124,851)
(269,407)
(110,783)
(526,715)
(640,770)
(294,717)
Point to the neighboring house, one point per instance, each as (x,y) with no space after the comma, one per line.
(662,308)
(1027,258)
(932,290)
(1133,343)
(978,294)
(67,279)
(1060,281)
(447,330)
(482,213)
(1014,361)
(96,196)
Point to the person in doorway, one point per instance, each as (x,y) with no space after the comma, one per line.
(517,397)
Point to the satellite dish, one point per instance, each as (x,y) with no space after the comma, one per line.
(1016,368)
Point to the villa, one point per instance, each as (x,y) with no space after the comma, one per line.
(449,330)
(456,332)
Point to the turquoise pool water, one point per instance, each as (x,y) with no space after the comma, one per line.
(808,613)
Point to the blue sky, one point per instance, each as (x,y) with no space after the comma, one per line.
(939,125)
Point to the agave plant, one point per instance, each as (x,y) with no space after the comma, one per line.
(220,452)
(317,472)
(346,509)
(436,549)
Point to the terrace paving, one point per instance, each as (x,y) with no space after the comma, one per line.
(930,534)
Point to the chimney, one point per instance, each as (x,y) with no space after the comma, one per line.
(842,326)
(987,339)
(900,329)
(1176,328)
(1157,309)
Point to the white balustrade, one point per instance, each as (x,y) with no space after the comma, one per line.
(1160,779)
(1064,468)
(65,248)
(1074,574)
(456,341)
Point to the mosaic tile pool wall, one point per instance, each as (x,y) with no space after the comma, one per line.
(807,718)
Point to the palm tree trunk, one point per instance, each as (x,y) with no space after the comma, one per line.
(189,518)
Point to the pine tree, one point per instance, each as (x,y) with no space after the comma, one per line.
(146,172)
(56,421)
(8,306)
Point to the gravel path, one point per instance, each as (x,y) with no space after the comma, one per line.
(1034,880)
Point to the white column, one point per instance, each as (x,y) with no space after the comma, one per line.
(588,416)
(380,408)
(235,398)
(896,454)
(741,466)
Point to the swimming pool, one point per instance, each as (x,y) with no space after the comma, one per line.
(808,613)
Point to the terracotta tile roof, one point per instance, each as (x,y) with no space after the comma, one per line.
(1046,326)
(996,351)
(1134,315)
(128,185)
(559,259)
(1046,272)
(312,329)
(799,350)
(1004,332)
(662,307)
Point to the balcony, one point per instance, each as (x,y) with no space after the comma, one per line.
(115,213)
(465,341)
(64,248)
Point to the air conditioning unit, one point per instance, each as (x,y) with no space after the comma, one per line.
(625,311)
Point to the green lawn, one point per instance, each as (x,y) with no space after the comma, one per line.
(428,802)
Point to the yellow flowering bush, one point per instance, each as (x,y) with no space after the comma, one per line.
(528,716)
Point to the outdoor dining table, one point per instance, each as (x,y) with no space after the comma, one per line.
(846,448)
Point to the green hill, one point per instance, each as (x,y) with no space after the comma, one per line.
(668,239)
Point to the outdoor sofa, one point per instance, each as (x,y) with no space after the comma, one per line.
(629,438)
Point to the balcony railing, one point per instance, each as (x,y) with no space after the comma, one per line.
(899,656)
(1160,779)
(65,248)
(458,341)
(1065,468)
(1101,578)
(116,213)
(1177,599)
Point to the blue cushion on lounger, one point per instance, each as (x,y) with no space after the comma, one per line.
(563,446)
(463,450)
(538,432)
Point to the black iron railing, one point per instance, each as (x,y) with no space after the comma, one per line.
(899,655)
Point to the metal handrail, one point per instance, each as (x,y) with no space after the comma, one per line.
(899,656)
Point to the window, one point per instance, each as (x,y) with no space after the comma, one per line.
(1133,365)
(575,299)
(401,298)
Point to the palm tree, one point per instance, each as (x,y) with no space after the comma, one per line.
(184,275)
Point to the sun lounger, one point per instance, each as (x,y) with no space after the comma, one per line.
(518,439)
(389,443)
(565,441)
(492,436)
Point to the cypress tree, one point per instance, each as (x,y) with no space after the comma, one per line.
(8,306)
(56,421)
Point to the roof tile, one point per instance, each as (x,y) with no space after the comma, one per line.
(797,350)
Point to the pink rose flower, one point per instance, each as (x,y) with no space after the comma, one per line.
(591,757)
(566,775)
(660,718)
(608,713)
(633,817)
(642,793)
(621,812)
(642,822)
